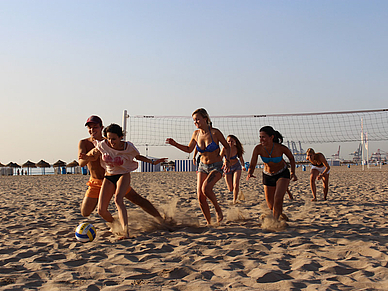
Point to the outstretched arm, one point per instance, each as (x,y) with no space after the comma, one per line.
(147,160)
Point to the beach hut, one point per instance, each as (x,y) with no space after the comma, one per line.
(43,164)
(60,165)
(29,165)
(185,165)
(4,171)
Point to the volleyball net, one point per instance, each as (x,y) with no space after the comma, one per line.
(309,128)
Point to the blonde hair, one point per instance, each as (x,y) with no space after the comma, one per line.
(204,114)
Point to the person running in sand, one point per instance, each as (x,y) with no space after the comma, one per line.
(276,176)
(117,158)
(232,178)
(206,140)
(97,173)
(320,170)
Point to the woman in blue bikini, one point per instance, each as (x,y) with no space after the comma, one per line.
(232,178)
(206,140)
(276,176)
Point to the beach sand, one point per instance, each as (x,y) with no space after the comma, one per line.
(338,244)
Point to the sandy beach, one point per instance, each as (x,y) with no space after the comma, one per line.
(338,244)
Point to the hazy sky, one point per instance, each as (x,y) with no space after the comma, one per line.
(61,61)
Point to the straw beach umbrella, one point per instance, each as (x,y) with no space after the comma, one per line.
(72,165)
(28,165)
(59,164)
(12,165)
(43,164)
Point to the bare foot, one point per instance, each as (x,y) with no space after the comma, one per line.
(283,217)
(220,216)
(314,199)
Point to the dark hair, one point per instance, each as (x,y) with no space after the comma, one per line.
(239,146)
(277,137)
(113,128)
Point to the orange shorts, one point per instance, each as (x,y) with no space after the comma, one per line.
(95,187)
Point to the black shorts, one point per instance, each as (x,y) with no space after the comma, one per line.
(271,180)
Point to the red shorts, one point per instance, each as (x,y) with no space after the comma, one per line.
(95,187)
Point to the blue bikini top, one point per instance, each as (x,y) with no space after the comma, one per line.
(211,147)
(270,159)
(234,157)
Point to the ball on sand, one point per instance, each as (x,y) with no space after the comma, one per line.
(85,232)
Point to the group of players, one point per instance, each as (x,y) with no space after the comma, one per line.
(110,161)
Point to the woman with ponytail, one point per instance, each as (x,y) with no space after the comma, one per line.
(276,176)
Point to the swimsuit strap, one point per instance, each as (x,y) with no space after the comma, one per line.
(273,145)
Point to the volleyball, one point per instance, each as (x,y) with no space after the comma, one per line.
(85,232)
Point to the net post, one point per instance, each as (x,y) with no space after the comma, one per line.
(125,117)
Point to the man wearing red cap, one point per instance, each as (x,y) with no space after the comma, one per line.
(97,172)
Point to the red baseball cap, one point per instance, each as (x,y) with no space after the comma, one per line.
(94,119)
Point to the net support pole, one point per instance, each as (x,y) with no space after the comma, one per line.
(362,144)
(125,117)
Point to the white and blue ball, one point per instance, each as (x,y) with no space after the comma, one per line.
(85,232)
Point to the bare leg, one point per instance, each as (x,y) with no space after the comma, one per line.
(207,189)
(144,204)
(202,198)
(325,180)
(106,193)
(269,195)
(122,186)
(280,191)
(88,205)
(289,194)
(229,182)
(313,176)
(236,185)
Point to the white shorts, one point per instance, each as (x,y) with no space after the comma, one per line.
(319,169)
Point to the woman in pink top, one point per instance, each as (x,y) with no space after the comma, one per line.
(118,160)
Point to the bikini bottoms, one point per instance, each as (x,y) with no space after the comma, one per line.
(113,178)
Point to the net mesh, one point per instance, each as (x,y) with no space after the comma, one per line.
(327,127)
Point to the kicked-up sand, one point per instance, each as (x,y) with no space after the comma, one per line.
(338,244)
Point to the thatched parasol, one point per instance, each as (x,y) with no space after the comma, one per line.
(12,165)
(1,165)
(59,164)
(28,165)
(72,165)
(43,164)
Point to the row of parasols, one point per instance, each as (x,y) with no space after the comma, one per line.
(41,164)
